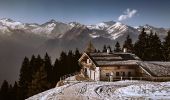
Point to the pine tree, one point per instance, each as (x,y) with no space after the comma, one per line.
(70,68)
(63,63)
(156,48)
(128,44)
(166,47)
(24,79)
(15,90)
(39,82)
(4,91)
(104,48)
(10,93)
(117,47)
(90,48)
(38,62)
(33,66)
(148,50)
(141,45)
(56,72)
(77,56)
(109,48)
(48,67)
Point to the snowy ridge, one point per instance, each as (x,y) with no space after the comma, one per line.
(113,29)
(99,26)
(148,28)
(4,29)
(117,30)
(53,29)
(45,29)
(12,24)
(107,91)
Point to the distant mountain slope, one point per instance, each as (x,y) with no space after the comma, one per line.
(159,31)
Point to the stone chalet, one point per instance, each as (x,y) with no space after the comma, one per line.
(109,66)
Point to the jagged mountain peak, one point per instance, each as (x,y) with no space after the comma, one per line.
(104,25)
(7,20)
(160,31)
(109,22)
(76,24)
(53,21)
(118,24)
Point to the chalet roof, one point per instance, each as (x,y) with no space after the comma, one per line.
(105,59)
(159,69)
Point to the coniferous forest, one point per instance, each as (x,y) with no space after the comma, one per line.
(38,73)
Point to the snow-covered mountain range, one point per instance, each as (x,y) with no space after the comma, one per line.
(18,39)
(53,29)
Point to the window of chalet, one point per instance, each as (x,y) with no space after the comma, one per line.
(129,73)
(85,71)
(117,73)
(123,73)
(107,74)
(88,61)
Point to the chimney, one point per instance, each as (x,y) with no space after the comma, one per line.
(124,50)
(108,50)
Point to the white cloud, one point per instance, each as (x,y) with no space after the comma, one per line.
(127,14)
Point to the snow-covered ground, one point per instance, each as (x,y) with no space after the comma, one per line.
(120,90)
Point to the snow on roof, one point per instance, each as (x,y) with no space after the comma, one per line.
(107,58)
(102,59)
(156,68)
(106,63)
(124,56)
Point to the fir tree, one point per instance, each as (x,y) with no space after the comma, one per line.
(128,44)
(70,68)
(48,67)
(104,48)
(77,56)
(166,47)
(39,82)
(109,48)
(63,63)
(56,72)
(148,50)
(24,79)
(33,66)
(4,91)
(141,45)
(90,48)
(156,48)
(117,47)
(15,90)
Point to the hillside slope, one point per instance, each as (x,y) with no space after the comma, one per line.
(107,91)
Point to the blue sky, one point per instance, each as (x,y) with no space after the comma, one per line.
(134,12)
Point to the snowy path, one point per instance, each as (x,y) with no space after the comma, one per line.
(107,91)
